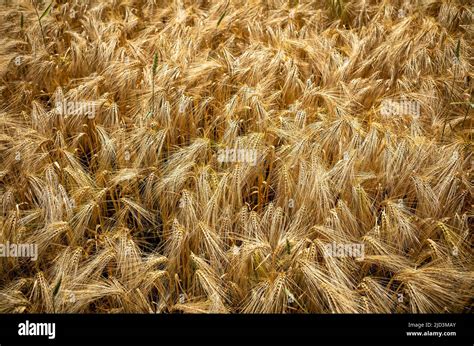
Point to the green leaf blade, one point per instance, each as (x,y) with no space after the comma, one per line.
(46,10)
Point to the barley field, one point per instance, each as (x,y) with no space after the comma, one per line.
(260,156)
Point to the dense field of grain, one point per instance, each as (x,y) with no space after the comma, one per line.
(260,156)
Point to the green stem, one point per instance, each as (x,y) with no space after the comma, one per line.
(41,25)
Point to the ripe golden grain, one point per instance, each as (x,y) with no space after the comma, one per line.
(133,211)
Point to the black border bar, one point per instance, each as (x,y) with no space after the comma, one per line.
(184,329)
